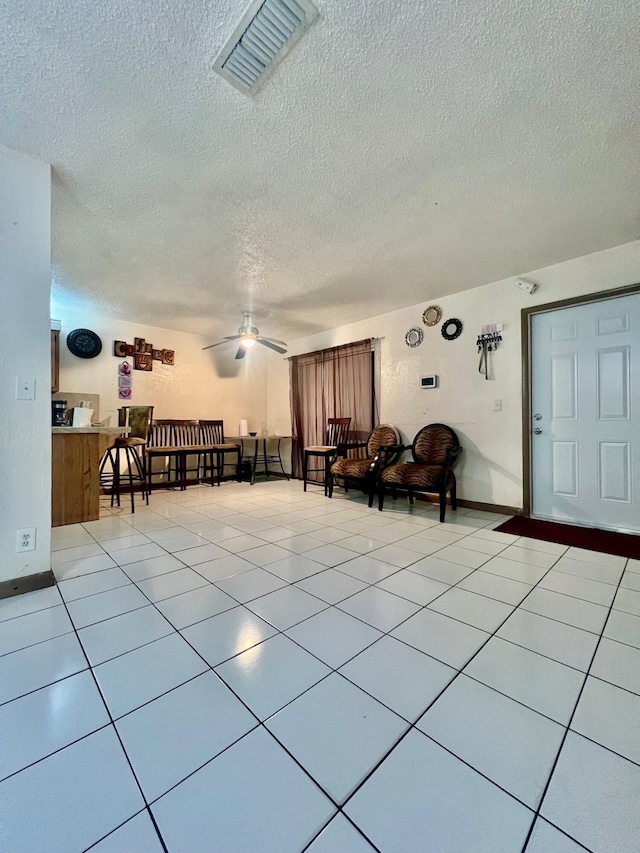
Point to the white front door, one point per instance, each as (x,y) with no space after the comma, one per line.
(585,397)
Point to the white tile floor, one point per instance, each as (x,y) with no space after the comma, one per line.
(255,669)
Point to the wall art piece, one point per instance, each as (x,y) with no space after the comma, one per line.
(489,340)
(432,315)
(124,381)
(142,361)
(143,353)
(414,337)
(451,329)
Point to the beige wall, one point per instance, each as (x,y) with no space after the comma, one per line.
(201,384)
(25,425)
(491,467)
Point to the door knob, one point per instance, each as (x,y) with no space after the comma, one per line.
(537,417)
(537,431)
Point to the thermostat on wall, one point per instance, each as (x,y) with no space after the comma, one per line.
(429,382)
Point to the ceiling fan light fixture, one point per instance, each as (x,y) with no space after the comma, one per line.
(248,335)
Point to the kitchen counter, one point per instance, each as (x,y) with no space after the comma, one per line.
(104,430)
(75,476)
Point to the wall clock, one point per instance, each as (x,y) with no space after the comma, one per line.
(84,343)
(414,337)
(451,329)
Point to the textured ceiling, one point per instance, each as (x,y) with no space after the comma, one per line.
(402,151)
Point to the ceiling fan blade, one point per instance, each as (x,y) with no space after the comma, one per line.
(228,338)
(273,340)
(241,352)
(266,343)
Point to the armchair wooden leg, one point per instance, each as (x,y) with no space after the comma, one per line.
(380,498)
(305,467)
(330,484)
(454,495)
(410,494)
(372,488)
(443,503)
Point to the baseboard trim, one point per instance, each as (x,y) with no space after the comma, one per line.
(484,507)
(479,505)
(29,583)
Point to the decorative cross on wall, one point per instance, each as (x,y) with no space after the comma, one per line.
(143,353)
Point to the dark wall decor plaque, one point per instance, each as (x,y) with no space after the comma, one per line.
(84,343)
(451,329)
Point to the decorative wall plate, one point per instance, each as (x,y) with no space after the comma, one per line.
(432,315)
(414,337)
(451,329)
(84,343)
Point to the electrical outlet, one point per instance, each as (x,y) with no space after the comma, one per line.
(26,539)
(497,405)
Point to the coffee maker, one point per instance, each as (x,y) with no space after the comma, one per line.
(58,412)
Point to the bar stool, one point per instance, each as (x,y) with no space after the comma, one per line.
(131,446)
(337,433)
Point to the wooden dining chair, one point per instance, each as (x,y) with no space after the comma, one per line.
(337,434)
(215,451)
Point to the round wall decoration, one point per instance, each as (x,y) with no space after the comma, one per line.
(84,343)
(451,329)
(432,315)
(414,337)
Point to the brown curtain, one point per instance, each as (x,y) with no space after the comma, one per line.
(331,383)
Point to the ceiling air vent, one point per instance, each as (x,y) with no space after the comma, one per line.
(266,33)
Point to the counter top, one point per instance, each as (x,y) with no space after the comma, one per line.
(100,430)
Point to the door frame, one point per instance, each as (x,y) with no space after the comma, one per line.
(525,328)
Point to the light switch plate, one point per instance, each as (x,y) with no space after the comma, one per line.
(25,389)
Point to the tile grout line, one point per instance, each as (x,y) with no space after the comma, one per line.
(324,568)
(412,726)
(568,726)
(117,734)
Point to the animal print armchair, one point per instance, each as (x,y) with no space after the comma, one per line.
(382,448)
(435,451)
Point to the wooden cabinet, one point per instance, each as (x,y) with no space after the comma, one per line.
(55,361)
(75,476)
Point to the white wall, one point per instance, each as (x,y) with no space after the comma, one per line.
(25,426)
(201,384)
(491,466)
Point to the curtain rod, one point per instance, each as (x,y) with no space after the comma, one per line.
(329,349)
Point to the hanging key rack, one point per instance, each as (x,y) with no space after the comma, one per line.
(489,340)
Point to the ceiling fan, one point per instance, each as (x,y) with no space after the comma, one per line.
(248,335)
